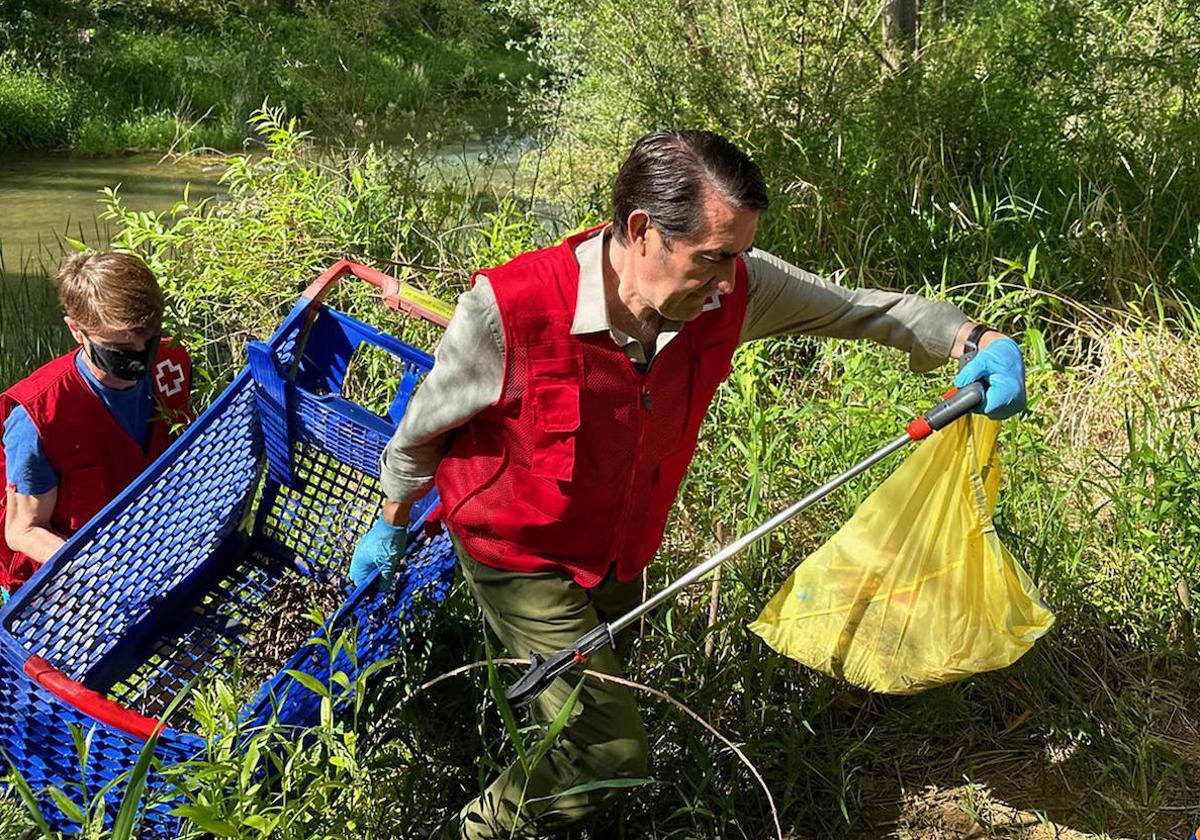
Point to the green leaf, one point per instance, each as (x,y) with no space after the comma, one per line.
(506,712)
(556,725)
(375,667)
(67,805)
(126,817)
(130,803)
(205,821)
(309,681)
(83,748)
(27,796)
(261,823)
(249,763)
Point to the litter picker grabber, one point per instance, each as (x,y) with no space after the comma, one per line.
(543,670)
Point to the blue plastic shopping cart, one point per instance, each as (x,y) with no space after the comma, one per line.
(270,487)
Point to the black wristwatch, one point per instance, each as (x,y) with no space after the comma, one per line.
(971,345)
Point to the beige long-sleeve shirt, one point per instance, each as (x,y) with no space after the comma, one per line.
(782,300)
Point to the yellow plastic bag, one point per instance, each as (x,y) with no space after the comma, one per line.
(916,589)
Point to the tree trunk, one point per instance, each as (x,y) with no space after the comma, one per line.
(900,19)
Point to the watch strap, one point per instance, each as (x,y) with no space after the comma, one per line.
(971,345)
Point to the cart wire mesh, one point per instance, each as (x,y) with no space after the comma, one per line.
(268,490)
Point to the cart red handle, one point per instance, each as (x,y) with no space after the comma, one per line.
(91,703)
(396,295)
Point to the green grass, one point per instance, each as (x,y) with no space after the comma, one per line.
(149,85)
(36,110)
(100,134)
(13,820)
(31,327)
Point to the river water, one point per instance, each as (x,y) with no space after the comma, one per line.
(46,196)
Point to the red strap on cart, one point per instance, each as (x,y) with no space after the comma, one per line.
(91,703)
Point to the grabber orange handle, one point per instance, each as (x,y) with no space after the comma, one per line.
(955,403)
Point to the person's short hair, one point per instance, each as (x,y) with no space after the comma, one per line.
(107,289)
(668,175)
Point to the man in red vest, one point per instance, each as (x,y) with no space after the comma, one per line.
(565,405)
(80,428)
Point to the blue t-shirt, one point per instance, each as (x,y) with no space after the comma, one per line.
(26,466)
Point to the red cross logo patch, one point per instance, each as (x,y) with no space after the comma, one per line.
(169,377)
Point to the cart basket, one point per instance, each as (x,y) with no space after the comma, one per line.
(268,490)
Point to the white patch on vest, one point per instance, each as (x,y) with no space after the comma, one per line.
(169,377)
(712,303)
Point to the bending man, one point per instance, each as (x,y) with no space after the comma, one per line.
(564,408)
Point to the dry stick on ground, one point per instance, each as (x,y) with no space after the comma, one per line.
(654,692)
(170,153)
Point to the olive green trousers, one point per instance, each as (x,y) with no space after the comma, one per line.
(604,737)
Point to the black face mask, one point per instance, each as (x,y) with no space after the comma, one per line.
(130,365)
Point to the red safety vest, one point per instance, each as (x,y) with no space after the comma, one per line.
(577,464)
(94,457)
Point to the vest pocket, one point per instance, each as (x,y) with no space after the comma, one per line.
(554,385)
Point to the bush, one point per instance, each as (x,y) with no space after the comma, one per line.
(351,69)
(1020,124)
(36,111)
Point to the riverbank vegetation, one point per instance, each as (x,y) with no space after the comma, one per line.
(109,76)
(1034,163)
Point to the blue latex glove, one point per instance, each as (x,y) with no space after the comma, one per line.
(382,549)
(1000,367)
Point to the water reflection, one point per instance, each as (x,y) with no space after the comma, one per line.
(46,196)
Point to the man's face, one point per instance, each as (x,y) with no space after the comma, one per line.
(676,280)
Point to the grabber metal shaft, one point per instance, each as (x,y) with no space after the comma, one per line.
(544,670)
(762,530)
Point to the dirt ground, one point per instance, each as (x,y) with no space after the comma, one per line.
(972,812)
(287,625)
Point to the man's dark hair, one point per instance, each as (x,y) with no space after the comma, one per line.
(668,174)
